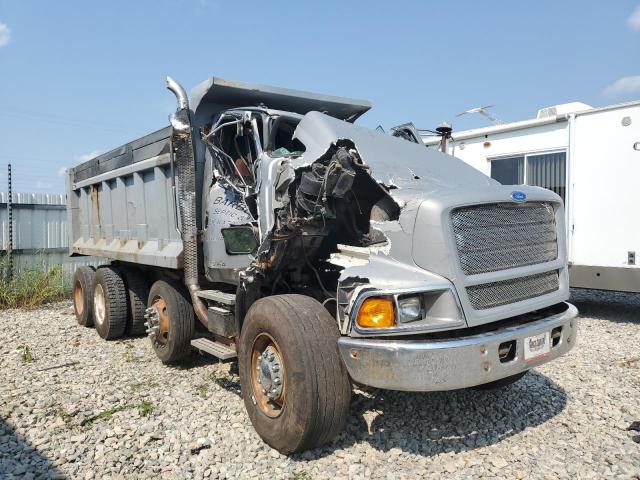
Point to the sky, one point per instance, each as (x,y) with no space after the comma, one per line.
(78,78)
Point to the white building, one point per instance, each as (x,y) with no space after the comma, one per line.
(591,158)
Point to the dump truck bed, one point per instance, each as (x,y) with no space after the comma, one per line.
(121,205)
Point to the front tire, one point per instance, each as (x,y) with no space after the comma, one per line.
(109,303)
(171,318)
(295,388)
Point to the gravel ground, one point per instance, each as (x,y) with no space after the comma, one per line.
(74,406)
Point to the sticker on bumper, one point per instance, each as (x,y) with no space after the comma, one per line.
(537,346)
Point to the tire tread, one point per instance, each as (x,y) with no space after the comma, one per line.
(116,302)
(315,333)
(137,296)
(85,275)
(182,325)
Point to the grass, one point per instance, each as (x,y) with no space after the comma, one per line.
(127,355)
(301,475)
(145,409)
(146,384)
(32,288)
(63,414)
(25,354)
(103,415)
(202,389)
(223,380)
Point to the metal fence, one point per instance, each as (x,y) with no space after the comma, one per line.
(39,232)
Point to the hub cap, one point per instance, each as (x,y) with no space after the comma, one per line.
(267,375)
(99,305)
(158,321)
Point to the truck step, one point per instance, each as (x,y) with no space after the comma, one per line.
(218,296)
(217,349)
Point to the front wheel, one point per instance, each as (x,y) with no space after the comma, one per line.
(295,388)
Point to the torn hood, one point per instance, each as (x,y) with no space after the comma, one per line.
(405,167)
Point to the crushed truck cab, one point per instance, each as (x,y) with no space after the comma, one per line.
(265,224)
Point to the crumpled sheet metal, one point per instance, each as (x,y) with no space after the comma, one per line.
(411,174)
(394,162)
(380,272)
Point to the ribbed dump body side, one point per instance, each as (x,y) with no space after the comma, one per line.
(121,205)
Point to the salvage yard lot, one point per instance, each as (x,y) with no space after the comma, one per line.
(73,405)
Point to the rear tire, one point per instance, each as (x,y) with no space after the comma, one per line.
(173,318)
(82,295)
(503,382)
(137,296)
(288,349)
(109,303)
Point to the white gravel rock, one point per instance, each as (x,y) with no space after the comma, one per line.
(112,410)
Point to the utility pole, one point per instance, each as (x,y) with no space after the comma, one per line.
(10,218)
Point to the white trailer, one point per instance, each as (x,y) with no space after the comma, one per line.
(591,158)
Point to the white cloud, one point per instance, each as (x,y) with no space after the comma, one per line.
(5,35)
(62,171)
(634,20)
(623,86)
(88,156)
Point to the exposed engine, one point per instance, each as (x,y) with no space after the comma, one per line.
(331,203)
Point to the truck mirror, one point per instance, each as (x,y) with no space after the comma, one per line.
(239,240)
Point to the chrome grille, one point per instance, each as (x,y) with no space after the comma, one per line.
(499,236)
(490,295)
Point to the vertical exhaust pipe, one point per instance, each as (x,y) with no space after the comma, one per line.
(444,130)
(179,92)
(182,146)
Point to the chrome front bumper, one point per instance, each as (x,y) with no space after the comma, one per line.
(432,365)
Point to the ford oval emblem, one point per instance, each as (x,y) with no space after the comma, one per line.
(518,196)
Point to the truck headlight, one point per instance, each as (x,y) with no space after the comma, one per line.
(376,312)
(410,309)
(393,313)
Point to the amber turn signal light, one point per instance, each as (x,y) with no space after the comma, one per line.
(376,312)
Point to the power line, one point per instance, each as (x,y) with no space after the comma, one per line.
(28,158)
(64,121)
(56,116)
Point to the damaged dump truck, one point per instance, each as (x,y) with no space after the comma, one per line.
(263,224)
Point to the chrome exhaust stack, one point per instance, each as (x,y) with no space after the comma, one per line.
(179,92)
(182,151)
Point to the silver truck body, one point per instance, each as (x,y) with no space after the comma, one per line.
(122,204)
(487,263)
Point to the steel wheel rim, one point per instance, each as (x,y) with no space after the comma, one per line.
(78,297)
(99,305)
(162,336)
(271,407)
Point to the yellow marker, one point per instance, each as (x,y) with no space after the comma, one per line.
(376,312)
